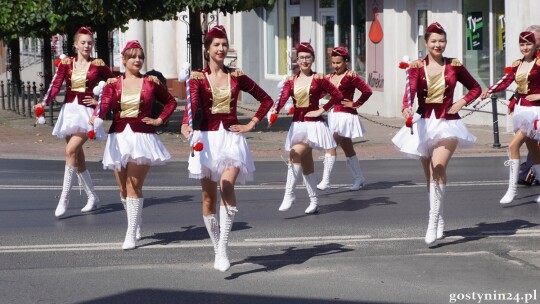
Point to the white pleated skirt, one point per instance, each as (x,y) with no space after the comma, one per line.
(523,120)
(128,146)
(73,118)
(428,132)
(222,149)
(345,124)
(315,134)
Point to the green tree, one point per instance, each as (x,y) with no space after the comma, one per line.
(43,18)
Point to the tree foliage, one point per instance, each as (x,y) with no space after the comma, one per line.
(24,18)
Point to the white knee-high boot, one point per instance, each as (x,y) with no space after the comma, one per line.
(226,219)
(138,231)
(354,165)
(513,165)
(293,174)
(88,186)
(309,181)
(134,210)
(328,165)
(440,221)
(536,169)
(436,193)
(212,226)
(69,175)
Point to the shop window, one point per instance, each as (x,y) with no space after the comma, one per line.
(351,19)
(484,60)
(276,39)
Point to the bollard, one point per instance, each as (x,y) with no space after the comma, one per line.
(9,94)
(496,143)
(23,99)
(2,92)
(28,99)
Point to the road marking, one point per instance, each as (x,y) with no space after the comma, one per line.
(255,242)
(249,187)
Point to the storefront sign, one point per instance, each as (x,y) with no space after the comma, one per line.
(475,27)
(375,45)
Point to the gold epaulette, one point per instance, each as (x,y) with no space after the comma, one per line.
(196,75)
(456,62)
(416,64)
(290,78)
(352,73)
(98,62)
(153,79)
(538,61)
(237,72)
(66,60)
(318,76)
(516,63)
(111,80)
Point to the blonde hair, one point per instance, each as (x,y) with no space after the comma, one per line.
(131,53)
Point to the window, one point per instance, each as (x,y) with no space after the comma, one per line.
(351,18)
(484,44)
(276,39)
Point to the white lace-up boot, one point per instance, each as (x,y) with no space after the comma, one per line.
(536,169)
(440,221)
(435,197)
(134,210)
(328,165)
(226,219)
(513,168)
(293,174)
(69,175)
(309,181)
(354,165)
(86,181)
(211,223)
(138,231)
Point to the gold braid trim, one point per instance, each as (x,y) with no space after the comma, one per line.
(98,62)
(456,62)
(318,76)
(237,72)
(66,60)
(352,73)
(154,79)
(196,75)
(416,64)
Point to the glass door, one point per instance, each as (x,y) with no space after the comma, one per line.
(329,41)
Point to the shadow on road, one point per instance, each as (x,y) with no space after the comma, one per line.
(190,233)
(164,296)
(290,256)
(484,230)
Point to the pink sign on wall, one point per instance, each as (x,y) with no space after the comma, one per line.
(375,45)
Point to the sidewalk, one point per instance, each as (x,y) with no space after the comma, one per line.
(20,139)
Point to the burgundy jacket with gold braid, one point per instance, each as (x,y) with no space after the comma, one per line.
(533,83)
(97,71)
(201,97)
(320,86)
(347,86)
(454,71)
(152,90)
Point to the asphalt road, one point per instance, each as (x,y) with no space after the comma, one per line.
(363,247)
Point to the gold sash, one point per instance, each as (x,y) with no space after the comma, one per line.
(301,95)
(522,80)
(129,102)
(436,87)
(78,79)
(221,98)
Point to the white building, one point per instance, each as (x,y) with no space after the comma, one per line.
(378,33)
